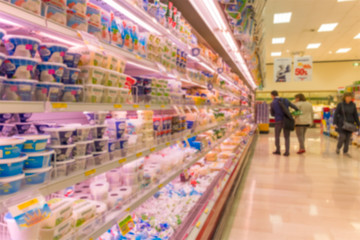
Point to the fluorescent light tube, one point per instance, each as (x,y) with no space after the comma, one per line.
(59,39)
(215,14)
(276,54)
(343,50)
(9,22)
(280,40)
(282,17)
(313,45)
(357,36)
(328,27)
(130,15)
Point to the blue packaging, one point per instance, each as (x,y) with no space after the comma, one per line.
(19,89)
(50,72)
(100,131)
(12,166)
(10,185)
(23,128)
(35,143)
(38,160)
(5,117)
(19,67)
(112,145)
(11,147)
(52,52)
(23,117)
(72,60)
(123,143)
(23,46)
(73,93)
(48,91)
(71,75)
(37,176)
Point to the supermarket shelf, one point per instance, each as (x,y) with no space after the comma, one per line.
(20,107)
(64,182)
(118,215)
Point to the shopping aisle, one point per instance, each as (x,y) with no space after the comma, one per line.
(311,197)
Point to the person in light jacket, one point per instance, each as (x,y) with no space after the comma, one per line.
(347,108)
(303,121)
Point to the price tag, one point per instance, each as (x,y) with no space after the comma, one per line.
(59,105)
(198,224)
(147,106)
(121,161)
(206,211)
(136,106)
(162,106)
(126,225)
(160,186)
(90,172)
(127,210)
(152,149)
(167,144)
(117,106)
(30,212)
(139,154)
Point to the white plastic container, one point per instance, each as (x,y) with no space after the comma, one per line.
(84,210)
(61,210)
(111,95)
(58,232)
(91,75)
(94,93)
(64,168)
(30,233)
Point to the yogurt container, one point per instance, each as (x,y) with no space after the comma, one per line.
(105,26)
(101,157)
(111,95)
(64,168)
(94,93)
(19,89)
(30,5)
(50,72)
(29,233)
(2,58)
(54,12)
(82,133)
(23,128)
(52,52)
(84,210)
(37,176)
(73,93)
(90,57)
(61,209)
(60,135)
(91,75)
(12,166)
(78,6)
(99,131)
(38,159)
(11,147)
(111,78)
(23,117)
(41,126)
(49,91)
(19,67)
(93,13)
(63,152)
(8,130)
(5,117)
(2,34)
(72,59)
(71,76)
(77,21)
(84,148)
(80,162)
(101,145)
(34,143)
(11,185)
(22,46)
(94,30)
(59,232)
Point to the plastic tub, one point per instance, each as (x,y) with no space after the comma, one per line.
(8,130)
(91,75)
(11,185)
(78,6)
(19,67)
(11,147)
(93,13)
(111,79)
(38,160)
(72,59)
(111,95)
(5,117)
(63,152)
(29,233)
(71,76)
(73,93)
(50,72)
(12,166)
(96,117)
(2,34)
(60,135)
(52,52)
(101,145)
(58,232)
(22,46)
(34,143)
(101,157)
(94,93)
(54,12)
(99,131)
(23,117)
(19,89)
(23,128)
(82,133)
(41,126)
(64,168)
(37,176)
(83,148)
(124,96)
(77,21)
(61,210)
(80,162)
(90,57)
(48,91)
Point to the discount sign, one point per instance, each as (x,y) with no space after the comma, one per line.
(303,68)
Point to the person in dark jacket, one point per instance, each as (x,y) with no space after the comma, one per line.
(279,115)
(347,108)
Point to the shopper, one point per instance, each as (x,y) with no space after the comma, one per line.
(304,120)
(278,112)
(345,118)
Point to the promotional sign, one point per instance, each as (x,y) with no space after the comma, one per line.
(303,68)
(282,70)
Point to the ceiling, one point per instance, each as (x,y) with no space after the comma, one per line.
(307,16)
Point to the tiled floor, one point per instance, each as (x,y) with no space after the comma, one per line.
(315,196)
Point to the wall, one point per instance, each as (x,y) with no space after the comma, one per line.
(326,76)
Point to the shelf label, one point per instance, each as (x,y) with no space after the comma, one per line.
(147,106)
(136,106)
(30,212)
(127,210)
(117,106)
(59,105)
(139,154)
(121,161)
(90,172)
(198,224)
(126,225)
(152,149)
(160,186)
(206,211)
(167,144)
(162,106)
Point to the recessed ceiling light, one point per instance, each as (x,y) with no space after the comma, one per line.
(343,50)
(280,40)
(276,54)
(282,17)
(357,36)
(345,0)
(313,45)
(327,27)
